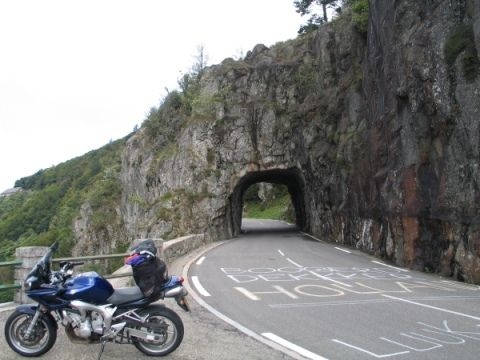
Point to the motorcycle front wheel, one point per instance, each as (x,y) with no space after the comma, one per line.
(42,338)
(168,327)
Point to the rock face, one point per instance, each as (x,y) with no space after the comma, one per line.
(423,136)
(377,140)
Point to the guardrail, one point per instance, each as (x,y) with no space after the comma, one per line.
(8,264)
(27,257)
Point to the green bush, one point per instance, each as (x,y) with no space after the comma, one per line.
(277,207)
(6,277)
(360,10)
(163,123)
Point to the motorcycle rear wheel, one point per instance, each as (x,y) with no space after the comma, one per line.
(171,336)
(42,339)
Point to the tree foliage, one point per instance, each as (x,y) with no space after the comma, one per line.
(360,12)
(306,7)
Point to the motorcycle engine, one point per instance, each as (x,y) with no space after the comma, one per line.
(97,323)
(83,329)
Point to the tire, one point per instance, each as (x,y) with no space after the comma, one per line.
(45,333)
(174,333)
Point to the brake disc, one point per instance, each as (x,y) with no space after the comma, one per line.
(38,332)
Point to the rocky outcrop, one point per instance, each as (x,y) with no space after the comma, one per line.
(99,232)
(377,139)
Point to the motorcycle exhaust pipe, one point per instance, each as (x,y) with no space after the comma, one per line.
(179,293)
(176,291)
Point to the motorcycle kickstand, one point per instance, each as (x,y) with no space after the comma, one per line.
(101,349)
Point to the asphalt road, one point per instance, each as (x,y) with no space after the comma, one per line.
(326,302)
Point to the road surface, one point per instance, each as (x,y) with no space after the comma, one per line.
(320,301)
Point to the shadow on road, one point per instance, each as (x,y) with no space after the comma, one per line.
(259,226)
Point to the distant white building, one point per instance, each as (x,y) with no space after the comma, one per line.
(11,191)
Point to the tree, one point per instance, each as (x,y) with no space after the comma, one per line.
(201,60)
(305,7)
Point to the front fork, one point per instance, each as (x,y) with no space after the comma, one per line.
(32,324)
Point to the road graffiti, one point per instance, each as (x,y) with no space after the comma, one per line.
(353,281)
(425,337)
(289,273)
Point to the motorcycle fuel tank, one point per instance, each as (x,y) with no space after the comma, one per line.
(89,287)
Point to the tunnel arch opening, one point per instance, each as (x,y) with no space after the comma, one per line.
(291,178)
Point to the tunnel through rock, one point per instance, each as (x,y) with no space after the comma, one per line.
(291,178)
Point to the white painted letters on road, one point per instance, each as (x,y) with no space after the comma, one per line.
(435,345)
(253,295)
(378,356)
(302,289)
(243,278)
(435,338)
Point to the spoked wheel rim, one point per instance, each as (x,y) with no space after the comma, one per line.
(37,341)
(167,336)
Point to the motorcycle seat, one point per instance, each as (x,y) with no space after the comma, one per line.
(124,295)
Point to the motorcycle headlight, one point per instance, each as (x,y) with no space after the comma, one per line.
(31,283)
(28,285)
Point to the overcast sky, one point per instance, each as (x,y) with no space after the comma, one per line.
(76,74)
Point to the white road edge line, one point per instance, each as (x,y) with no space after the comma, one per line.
(304,352)
(432,307)
(390,266)
(229,321)
(281,252)
(199,286)
(200,261)
(311,236)
(348,252)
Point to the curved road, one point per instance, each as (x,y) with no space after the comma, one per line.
(319,301)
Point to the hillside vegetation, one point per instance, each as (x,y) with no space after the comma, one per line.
(45,210)
(276,204)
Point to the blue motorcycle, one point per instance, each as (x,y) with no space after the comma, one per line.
(92,311)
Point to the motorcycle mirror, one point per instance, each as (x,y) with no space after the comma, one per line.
(54,246)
